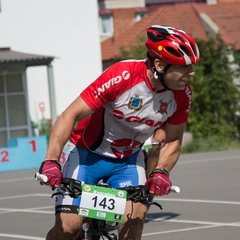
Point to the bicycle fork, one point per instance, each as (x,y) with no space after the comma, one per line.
(85,231)
(88,235)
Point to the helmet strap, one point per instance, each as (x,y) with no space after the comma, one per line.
(159,75)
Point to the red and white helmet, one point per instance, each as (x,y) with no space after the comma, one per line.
(172,45)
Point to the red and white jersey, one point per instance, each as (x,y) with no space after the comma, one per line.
(127,110)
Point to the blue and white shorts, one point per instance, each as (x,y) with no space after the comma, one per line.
(91,168)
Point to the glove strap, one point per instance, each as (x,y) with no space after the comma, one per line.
(162,170)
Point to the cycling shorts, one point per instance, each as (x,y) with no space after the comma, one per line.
(92,168)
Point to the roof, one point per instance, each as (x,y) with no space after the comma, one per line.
(227,17)
(152,2)
(171,15)
(9,56)
(185,16)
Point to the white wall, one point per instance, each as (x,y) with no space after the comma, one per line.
(66,29)
(122,4)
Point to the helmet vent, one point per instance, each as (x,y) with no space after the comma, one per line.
(172,52)
(161,37)
(179,38)
(153,37)
(194,49)
(185,50)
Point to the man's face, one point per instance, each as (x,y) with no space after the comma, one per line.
(177,76)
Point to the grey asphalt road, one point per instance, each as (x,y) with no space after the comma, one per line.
(208,206)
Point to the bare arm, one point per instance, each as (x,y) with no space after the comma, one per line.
(64,125)
(153,153)
(169,154)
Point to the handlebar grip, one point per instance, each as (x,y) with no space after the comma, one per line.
(66,180)
(175,189)
(40,177)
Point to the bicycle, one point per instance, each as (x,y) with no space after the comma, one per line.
(96,227)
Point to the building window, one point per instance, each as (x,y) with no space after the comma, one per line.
(106,24)
(13,109)
(139,16)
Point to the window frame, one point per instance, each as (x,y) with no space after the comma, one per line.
(111,26)
(7,128)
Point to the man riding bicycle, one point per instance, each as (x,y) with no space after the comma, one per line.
(108,123)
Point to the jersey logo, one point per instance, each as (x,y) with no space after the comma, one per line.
(189,94)
(136,119)
(135,103)
(123,148)
(163,107)
(110,83)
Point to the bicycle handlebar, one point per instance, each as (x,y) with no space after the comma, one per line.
(66,181)
(40,177)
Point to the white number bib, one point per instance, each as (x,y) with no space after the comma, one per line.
(102,203)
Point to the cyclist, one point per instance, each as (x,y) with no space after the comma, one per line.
(108,123)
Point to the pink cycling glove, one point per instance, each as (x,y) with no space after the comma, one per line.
(52,169)
(159,182)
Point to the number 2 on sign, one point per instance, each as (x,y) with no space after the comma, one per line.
(5,156)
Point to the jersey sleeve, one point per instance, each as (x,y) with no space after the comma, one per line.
(183,100)
(97,94)
(110,85)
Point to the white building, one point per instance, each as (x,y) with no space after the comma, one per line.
(67,30)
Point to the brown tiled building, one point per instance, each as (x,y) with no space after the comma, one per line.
(196,17)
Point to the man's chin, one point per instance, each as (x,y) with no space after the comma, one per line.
(179,88)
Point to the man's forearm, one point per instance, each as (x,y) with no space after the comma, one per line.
(59,137)
(169,155)
(152,161)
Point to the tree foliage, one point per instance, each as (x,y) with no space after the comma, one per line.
(216,97)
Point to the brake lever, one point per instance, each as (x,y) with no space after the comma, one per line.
(156,204)
(68,191)
(57,193)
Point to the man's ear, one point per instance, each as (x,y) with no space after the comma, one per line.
(159,65)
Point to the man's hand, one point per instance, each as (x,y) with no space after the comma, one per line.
(159,183)
(52,169)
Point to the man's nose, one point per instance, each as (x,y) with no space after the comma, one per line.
(191,71)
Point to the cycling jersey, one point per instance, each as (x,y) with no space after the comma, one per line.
(127,110)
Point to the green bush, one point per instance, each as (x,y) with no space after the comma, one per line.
(211,143)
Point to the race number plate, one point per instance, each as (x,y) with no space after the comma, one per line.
(102,203)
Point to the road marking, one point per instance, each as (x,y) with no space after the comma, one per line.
(210,225)
(14,236)
(16,180)
(28,210)
(207,160)
(26,195)
(179,230)
(10,210)
(220,224)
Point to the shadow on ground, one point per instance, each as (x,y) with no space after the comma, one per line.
(163,216)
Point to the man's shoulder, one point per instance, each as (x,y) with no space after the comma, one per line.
(131,68)
(131,63)
(184,96)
